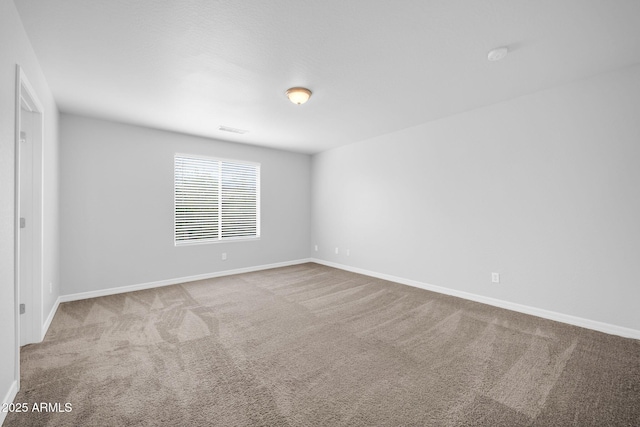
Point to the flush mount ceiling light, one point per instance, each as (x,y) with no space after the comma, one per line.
(498,53)
(298,95)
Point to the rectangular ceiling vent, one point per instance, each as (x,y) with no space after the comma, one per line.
(232,130)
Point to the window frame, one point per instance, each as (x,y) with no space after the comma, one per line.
(220,239)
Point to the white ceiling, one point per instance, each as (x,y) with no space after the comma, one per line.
(374,66)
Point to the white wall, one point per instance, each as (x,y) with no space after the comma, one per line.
(16,49)
(117,207)
(543,189)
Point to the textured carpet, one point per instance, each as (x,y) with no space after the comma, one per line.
(309,345)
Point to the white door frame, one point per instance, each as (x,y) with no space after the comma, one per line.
(32,319)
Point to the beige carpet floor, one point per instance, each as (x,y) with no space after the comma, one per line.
(309,345)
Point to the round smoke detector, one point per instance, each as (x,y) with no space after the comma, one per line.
(498,53)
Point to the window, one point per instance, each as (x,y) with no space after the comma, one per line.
(215,199)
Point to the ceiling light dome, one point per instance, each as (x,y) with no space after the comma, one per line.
(298,95)
(498,53)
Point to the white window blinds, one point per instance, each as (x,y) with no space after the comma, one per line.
(215,199)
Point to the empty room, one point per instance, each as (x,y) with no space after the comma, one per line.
(320,213)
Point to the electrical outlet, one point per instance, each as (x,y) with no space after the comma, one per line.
(337,251)
(224,256)
(495,277)
(315,248)
(348,252)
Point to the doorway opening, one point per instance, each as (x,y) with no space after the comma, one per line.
(28,213)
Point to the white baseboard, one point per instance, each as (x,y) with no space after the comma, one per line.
(175,281)
(8,398)
(534,311)
(47,323)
